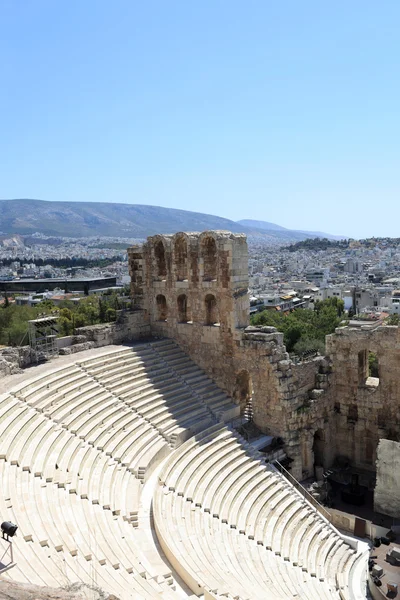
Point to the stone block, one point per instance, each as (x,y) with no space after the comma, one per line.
(377,571)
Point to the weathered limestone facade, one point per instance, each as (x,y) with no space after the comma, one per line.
(193,287)
(365,409)
(387,489)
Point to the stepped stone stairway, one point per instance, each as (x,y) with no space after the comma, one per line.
(79,444)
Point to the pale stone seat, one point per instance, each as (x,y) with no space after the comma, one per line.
(155,409)
(29,566)
(186,415)
(46,453)
(29,437)
(192,487)
(222,555)
(129,497)
(148,396)
(173,462)
(238,494)
(108,373)
(215,554)
(154,400)
(74,411)
(10,423)
(290,509)
(216,475)
(279,497)
(76,528)
(109,356)
(110,422)
(99,419)
(133,374)
(153,449)
(112,427)
(319,550)
(140,432)
(51,397)
(7,404)
(219,537)
(193,573)
(47,381)
(50,394)
(189,456)
(14,428)
(314,528)
(226,481)
(259,490)
(55,404)
(111,441)
(93,416)
(241,499)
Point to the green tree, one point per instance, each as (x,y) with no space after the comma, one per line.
(111,314)
(393,320)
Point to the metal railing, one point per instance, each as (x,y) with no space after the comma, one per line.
(302,490)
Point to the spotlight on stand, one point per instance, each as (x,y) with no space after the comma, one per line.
(8,529)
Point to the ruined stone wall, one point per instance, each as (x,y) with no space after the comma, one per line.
(365,409)
(132,326)
(387,489)
(194,288)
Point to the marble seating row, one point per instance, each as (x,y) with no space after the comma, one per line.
(230,490)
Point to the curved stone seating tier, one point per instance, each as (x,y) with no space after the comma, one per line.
(227,505)
(76,445)
(160,382)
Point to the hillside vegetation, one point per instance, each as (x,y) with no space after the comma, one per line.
(304,329)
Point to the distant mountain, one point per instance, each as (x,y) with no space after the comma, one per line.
(262,225)
(273,227)
(85,219)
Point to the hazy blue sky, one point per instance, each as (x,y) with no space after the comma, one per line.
(284,111)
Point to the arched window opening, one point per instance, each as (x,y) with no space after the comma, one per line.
(352,414)
(161,265)
(183,316)
(318,448)
(373,366)
(211,310)
(162,311)
(181,259)
(244,392)
(209,254)
(362,367)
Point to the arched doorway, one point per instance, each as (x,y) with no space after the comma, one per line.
(161,265)
(209,255)
(211,310)
(162,309)
(243,390)
(180,252)
(183,316)
(319,448)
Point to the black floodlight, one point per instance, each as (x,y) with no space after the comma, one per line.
(8,529)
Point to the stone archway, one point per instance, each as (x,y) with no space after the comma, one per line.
(243,391)
(181,258)
(183,313)
(162,309)
(211,309)
(161,265)
(209,255)
(319,448)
